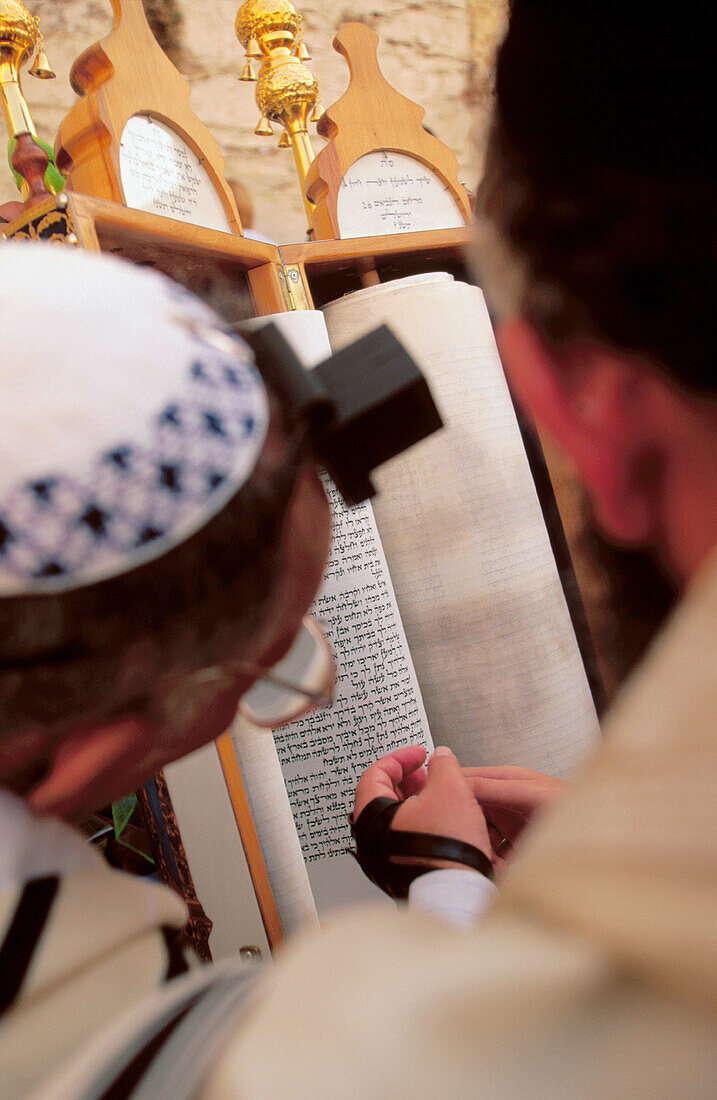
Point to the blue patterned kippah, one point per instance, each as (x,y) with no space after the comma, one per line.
(127,419)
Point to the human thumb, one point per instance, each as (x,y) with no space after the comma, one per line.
(450,797)
(443,769)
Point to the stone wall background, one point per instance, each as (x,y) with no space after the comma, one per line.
(439,53)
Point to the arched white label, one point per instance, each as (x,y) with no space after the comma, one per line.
(385,192)
(161,174)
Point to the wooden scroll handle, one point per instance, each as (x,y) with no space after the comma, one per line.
(31,162)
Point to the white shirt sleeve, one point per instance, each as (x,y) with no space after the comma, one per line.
(453,896)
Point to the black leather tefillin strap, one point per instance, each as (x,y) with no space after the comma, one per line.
(377,844)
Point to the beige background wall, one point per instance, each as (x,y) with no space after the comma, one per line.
(438,53)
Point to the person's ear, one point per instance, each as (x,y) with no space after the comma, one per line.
(93,765)
(591,400)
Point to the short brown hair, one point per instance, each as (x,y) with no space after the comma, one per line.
(600,178)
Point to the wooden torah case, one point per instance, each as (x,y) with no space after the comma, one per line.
(133,139)
(381,172)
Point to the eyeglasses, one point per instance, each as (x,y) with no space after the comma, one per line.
(303,681)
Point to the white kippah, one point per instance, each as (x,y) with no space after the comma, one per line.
(127,417)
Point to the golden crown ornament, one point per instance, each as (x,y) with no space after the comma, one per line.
(287,92)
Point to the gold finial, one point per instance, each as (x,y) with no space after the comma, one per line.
(19,37)
(286,91)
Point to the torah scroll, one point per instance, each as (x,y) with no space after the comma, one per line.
(462,529)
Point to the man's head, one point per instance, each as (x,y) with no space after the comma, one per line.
(600,185)
(155,519)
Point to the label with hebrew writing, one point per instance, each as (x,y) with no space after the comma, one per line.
(385,192)
(162,175)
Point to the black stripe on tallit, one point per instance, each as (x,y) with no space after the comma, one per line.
(23,936)
(174,1060)
(176,960)
(132,1074)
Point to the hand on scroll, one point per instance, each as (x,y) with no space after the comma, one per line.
(509,797)
(436,800)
